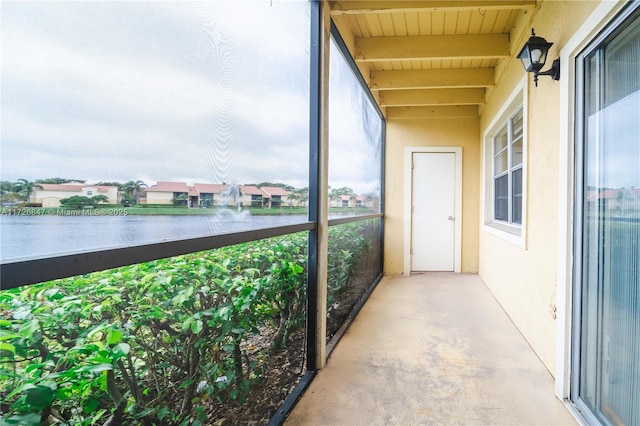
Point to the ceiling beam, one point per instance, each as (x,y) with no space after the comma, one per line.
(429,97)
(464,111)
(400,6)
(432,79)
(403,48)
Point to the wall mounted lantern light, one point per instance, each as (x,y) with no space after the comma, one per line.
(533,56)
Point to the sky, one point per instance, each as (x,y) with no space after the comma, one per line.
(615,137)
(166,91)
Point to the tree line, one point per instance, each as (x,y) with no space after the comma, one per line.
(18,192)
(12,193)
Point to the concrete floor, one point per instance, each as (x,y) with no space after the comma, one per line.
(433,348)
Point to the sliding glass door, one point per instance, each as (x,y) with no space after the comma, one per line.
(606,377)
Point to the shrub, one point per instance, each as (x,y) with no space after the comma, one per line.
(150,343)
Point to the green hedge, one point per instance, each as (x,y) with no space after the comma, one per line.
(150,343)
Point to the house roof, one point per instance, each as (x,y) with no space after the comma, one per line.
(605,194)
(611,194)
(275,191)
(253,190)
(169,187)
(210,188)
(72,187)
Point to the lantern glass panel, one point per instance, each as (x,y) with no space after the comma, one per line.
(537,56)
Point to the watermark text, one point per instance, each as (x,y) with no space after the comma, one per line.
(36,211)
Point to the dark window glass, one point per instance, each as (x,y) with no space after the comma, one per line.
(501,194)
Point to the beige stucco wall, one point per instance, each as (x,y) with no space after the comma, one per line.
(38,195)
(159,197)
(524,279)
(245,200)
(48,198)
(50,202)
(111,194)
(440,132)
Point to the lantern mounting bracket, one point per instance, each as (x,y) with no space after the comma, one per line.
(553,72)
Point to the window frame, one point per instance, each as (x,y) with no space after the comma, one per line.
(599,19)
(571,337)
(508,230)
(508,172)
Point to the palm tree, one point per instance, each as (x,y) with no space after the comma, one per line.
(7,194)
(303,196)
(25,187)
(130,188)
(293,197)
(6,187)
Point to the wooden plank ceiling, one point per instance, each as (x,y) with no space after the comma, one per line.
(432,58)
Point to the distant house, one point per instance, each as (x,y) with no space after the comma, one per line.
(276,196)
(619,202)
(216,195)
(169,193)
(344,201)
(194,197)
(364,201)
(351,201)
(49,195)
(212,194)
(252,196)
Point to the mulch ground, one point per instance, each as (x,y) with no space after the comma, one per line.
(281,373)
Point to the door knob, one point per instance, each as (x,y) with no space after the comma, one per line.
(450,218)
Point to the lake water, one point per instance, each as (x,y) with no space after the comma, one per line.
(27,237)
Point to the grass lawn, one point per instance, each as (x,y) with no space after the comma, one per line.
(180,211)
(173,211)
(254,211)
(167,211)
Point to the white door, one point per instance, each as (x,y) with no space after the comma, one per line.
(433,207)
